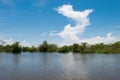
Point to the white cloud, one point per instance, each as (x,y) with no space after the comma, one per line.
(70,33)
(6,41)
(25,43)
(95,40)
(11,41)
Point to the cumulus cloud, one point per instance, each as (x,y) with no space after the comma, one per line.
(70,33)
(95,40)
(7,41)
(25,43)
(10,41)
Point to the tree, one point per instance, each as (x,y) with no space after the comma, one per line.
(52,48)
(83,48)
(26,49)
(63,49)
(16,48)
(33,49)
(2,48)
(115,47)
(75,48)
(43,47)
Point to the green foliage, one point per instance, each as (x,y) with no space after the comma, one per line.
(34,49)
(26,49)
(76,48)
(2,48)
(16,48)
(8,48)
(115,48)
(84,48)
(45,47)
(63,49)
(52,48)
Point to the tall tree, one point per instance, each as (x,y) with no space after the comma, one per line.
(16,48)
(43,47)
(75,48)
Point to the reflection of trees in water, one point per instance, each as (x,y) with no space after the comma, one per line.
(16,58)
(0,57)
(44,58)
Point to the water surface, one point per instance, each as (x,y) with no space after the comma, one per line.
(56,66)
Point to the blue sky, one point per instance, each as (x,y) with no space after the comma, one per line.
(35,20)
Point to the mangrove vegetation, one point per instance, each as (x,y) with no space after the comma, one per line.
(75,48)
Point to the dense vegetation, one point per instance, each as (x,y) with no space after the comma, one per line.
(76,48)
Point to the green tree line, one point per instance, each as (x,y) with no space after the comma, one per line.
(75,48)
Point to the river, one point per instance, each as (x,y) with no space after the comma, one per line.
(58,66)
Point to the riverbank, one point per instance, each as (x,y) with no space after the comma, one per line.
(75,48)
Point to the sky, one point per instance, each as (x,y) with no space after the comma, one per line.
(62,22)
